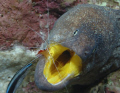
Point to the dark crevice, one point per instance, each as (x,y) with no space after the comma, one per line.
(61,61)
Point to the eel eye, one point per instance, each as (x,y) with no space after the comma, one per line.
(76,31)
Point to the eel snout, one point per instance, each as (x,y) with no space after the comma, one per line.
(81,49)
(57,66)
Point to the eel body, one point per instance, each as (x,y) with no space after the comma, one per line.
(91,32)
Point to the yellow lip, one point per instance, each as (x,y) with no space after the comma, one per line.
(61,63)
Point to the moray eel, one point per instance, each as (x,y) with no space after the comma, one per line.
(81,49)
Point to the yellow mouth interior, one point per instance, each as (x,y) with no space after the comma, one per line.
(61,63)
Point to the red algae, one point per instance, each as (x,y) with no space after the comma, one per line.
(15,17)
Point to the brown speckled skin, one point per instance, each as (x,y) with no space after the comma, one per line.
(96,42)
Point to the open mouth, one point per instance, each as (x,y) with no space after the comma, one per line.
(61,63)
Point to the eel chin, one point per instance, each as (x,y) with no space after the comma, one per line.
(60,64)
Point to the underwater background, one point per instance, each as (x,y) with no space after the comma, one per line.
(19,44)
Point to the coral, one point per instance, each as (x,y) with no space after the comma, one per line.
(113,84)
(17,20)
(110,84)
(31,88)
(56,7)
(115,4)
(42,6)
(11,61)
